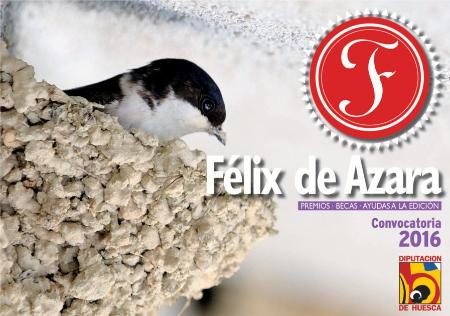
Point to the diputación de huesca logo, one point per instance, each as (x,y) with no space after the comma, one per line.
(420,283)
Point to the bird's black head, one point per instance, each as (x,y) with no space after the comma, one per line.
(187,81)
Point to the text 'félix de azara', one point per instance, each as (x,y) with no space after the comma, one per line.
(246,175)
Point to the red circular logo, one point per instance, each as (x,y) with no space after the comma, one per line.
(370,78)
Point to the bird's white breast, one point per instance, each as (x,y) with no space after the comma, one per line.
(169,118)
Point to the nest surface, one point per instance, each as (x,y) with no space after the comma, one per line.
(98,220)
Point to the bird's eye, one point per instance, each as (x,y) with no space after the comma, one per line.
(207,105)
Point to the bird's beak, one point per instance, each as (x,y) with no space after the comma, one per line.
(219,133)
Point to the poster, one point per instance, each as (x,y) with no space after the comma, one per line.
(224,158)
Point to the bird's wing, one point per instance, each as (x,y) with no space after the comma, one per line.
(103,92)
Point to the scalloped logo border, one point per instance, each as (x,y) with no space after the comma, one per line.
(433,99)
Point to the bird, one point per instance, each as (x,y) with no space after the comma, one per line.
(168,98)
